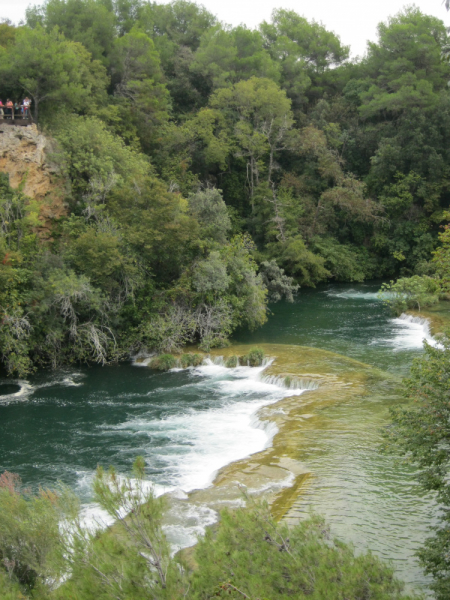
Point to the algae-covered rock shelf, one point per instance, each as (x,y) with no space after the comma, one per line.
(327,379)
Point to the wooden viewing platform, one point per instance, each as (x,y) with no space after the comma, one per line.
(14,118)
(18,121)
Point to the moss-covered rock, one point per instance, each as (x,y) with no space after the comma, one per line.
(186,360)
(164,362)
(254,358)
(189,359)
(231,362)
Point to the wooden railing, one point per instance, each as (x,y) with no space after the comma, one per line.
(10,115)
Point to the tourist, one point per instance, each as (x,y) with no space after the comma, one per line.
(9,108)
(26,106)
(1,109)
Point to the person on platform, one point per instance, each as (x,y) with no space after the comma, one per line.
(26,107)
(9,108)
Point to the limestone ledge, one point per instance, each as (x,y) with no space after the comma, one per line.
(278,473)
(438,317)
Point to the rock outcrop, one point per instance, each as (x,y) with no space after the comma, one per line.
(25,155)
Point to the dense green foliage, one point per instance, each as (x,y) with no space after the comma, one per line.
(414,292)
(251,556)
(246,555)
(208,170)
(421,432)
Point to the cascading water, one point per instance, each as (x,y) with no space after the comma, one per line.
(411,331)
(187,424)
(190,423)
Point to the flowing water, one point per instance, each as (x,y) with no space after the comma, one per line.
(190,423)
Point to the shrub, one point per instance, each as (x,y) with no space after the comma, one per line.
(246,555)
(197,360)
(164,362)
(419,432)
(30,535)
(249,555)
(410,292)
(231,362)
(277,282)
(253,359)
(213,341)
(191,360)
(186,360)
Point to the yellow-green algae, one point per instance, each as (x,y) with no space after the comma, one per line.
(278,472)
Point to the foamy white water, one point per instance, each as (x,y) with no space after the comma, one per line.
(142,361)
(190,447)
(203,441)
(409,333)
(25,389)
(355,295)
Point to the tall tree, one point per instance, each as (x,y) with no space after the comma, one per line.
(56,73)
(86,21)
(139,83)
(306,52)
(405,64)
(260,120)
(226,56)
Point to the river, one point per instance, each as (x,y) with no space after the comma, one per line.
(57,426)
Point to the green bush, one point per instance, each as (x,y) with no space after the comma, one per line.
(190,360)
(10,589)
(253,359)
(419,432)
(164,362)
(186,360)
(213,341)
(231,362)
(410,293)
(30,536)
(197,360)
(249,555)
(246,555)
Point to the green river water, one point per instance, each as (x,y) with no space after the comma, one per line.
(188,424)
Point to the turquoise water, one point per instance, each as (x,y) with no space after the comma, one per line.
(187,424)
(347,319)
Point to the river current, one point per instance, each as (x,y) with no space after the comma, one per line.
(57,426)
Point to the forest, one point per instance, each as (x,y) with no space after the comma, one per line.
(209,170)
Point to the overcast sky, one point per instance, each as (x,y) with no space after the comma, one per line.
(355,21)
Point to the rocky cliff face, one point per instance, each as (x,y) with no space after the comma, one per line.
(25,155)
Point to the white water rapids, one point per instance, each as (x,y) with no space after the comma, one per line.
(202,442)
